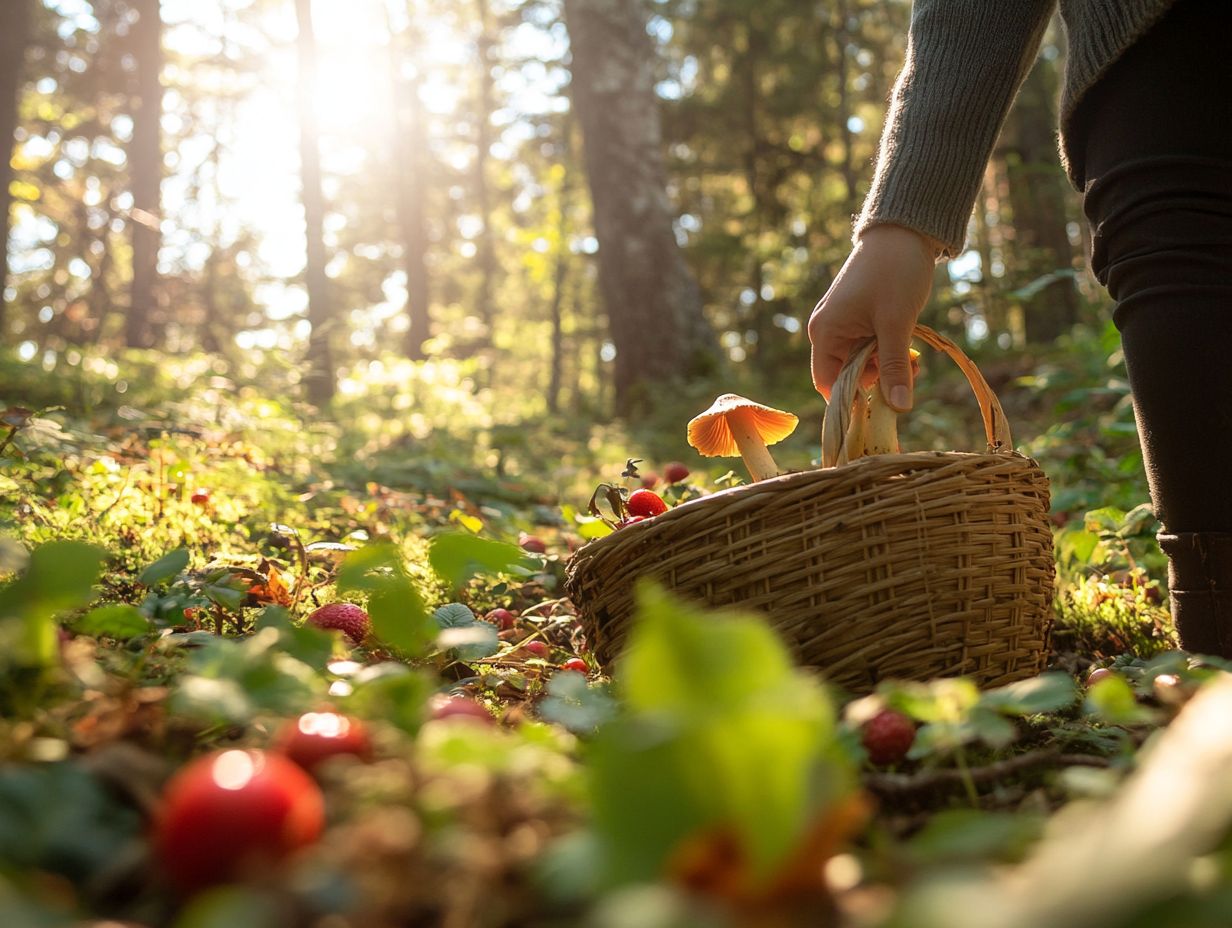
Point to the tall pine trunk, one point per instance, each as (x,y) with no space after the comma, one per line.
(410,149)
(13,38)
(145,159)
(653,303)
(319,376)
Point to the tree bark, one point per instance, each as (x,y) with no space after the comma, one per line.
(410,145)
(145,159)
(319,376)
(13,39)
(1037,193)
(653,303)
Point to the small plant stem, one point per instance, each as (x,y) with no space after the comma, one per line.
(968,782)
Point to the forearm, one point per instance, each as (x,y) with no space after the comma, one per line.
(965,61)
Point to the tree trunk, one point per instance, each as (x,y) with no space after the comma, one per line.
(145,159)
(559,280)
(486,246)
(1038,191)
(13,38)
(842,75)
(319,377)
(410,147)
(653,303)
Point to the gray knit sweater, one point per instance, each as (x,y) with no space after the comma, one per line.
(965,62)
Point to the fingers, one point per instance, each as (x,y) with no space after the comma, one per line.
(894,360)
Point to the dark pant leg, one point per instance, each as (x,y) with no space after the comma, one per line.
(1158,146)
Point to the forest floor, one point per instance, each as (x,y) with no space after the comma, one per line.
(162,560)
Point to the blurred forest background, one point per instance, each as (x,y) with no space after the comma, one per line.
(575,200)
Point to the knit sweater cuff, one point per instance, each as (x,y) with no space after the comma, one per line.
(965,61)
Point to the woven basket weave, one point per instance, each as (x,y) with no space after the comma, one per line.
(910,565)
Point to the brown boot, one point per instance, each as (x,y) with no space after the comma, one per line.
(1200,581)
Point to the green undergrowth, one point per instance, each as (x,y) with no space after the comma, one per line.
(162,546)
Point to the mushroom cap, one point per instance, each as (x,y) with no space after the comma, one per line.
(712,436)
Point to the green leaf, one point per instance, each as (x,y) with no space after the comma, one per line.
(227,906)
(468,522)
(456,557)
(454,615)
(59,819)
(590,529)
(1049,692)
(721,732)
(400,620)
(60,576)
(1112,700)
(575,703)
(469,642)
(113,621)
(167,567)
(971,835)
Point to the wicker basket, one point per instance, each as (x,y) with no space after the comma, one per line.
(910,565)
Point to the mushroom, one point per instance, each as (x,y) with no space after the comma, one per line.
(734,425)
(881,433)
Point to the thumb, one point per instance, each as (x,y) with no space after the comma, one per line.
(894,367)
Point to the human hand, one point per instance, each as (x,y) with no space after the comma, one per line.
(880,291)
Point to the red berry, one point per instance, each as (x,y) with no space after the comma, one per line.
(230,810)
(645,503)
(538,648)
(531,543)
(887,737)
(630,521)
(200,496)
(675,472)
(459,707)
(650,479)
(316,736)
(1099,673)
(502,619)
(575,663)
(347,618)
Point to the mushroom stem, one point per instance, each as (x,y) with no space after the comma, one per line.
(882,434)
(753,450)
(853,443)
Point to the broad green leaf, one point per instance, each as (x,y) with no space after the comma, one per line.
(57,818)
(392,692)
(1048,692)
(456,557)
(590,529)
(710,700)
(229,906)
(167,567)
(973,835)
(60,576)
(470,642)
(314,646)
(1112,700)
(454,615)
(575,703)
(113,621)
(400,620)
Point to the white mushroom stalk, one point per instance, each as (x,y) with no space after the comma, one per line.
(881,431)
(753,451)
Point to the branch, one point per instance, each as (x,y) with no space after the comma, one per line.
(903,786)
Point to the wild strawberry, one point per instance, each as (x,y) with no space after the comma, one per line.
(575,664)
(458,707)
(538,648)
(887,737)
(675,472)
(645,503)
(650,480)
(200,497)
(347,618)
(229,810)
(502,619)
(317,736)
(630,521)
(532,543)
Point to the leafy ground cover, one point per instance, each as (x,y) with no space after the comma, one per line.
(182,742)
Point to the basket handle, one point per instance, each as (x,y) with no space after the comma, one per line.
(843,395)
